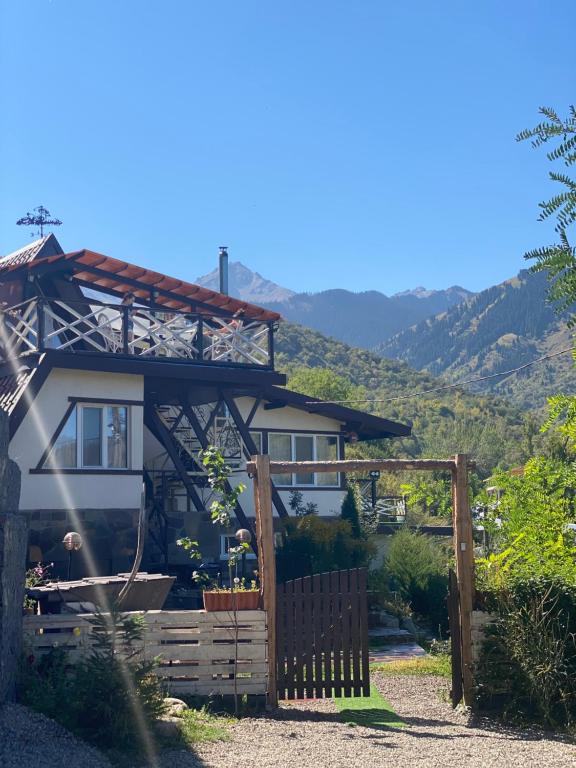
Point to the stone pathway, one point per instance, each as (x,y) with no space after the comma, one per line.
(400,651)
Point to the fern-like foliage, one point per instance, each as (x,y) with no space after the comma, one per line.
(558,259)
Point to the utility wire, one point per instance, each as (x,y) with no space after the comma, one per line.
(447,386)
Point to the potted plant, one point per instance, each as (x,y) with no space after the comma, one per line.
(240,595)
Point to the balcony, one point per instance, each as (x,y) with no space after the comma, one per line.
(91,326)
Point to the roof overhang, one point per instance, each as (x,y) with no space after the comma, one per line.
(365,425)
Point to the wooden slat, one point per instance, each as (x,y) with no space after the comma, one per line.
(327,633)
(290,640)
(299,644)
(337,632)
(281,640)
(346,599)
(356,631)
(318,644)
(205,652)
(308,634)
(364,649)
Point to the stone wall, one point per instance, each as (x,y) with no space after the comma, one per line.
(13,540)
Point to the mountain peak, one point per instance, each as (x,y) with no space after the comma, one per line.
(245,284)
(425,293)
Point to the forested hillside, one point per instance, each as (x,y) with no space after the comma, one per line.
(496,330)
(442,423)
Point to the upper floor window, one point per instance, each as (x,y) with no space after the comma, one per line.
(93,437)
(294,447)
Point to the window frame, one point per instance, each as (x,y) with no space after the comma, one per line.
(314,435)
(81,466)
(250,554)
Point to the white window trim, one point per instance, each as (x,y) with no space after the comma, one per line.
(250,555)
(104,443)
(314,436)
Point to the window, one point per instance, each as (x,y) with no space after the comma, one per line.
(93,437)
(287,447)
(226,542)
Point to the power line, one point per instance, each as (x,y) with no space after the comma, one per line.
(447,386)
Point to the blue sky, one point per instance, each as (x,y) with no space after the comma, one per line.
(366,144)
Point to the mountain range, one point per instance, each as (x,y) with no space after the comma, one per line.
(362,319)
(453,333)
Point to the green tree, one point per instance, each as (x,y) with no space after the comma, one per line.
(322,383)
(558,259)
(349,512)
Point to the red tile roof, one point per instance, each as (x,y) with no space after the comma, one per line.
(120,277)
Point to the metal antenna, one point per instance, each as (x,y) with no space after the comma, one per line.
(40,217)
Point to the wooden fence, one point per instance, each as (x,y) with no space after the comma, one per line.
(196,648)
(322,636)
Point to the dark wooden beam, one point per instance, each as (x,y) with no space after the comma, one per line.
(168,368)
(253,410)
(202,436)
(251,445)
(156,426)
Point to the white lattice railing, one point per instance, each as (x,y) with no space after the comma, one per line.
(91,326)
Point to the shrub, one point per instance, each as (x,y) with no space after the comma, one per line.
(349,512)
(110,697)
(416,566)
(527,667)
(313,545)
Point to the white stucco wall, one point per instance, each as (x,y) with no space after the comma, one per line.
(289,419)
(82,491)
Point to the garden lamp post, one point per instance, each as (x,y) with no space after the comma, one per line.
(72,543)
(243,536)
(374,476)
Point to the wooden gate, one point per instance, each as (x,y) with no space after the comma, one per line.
(322,636)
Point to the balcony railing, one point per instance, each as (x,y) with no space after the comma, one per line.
(41,324)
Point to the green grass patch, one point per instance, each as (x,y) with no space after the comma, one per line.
(439,665)
(199,726)
(370,711)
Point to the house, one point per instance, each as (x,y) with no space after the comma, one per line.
(115,376)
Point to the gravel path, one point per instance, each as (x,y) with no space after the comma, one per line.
(310,734)
(30,740)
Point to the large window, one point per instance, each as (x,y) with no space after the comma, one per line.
(289,447)
(93,437)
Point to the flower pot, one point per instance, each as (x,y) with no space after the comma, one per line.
(227,601)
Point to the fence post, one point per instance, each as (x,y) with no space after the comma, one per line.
(267,563)
(464,550)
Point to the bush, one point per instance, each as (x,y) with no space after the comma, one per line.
(416,566)
(527,667)
(311,544)
(110,697)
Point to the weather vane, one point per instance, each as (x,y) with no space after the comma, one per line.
(40,217)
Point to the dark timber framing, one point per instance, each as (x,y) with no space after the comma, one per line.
(251,447)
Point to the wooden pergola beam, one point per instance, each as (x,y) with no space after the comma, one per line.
(360,465)
(261,468)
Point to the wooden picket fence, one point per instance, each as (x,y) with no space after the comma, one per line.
(196,648)
(322,636)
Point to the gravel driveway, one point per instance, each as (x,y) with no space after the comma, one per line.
(30,740)
(310,734)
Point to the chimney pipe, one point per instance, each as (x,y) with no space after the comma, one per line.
(223,269)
